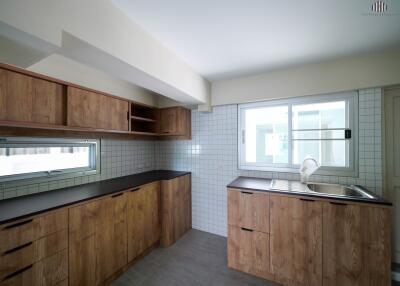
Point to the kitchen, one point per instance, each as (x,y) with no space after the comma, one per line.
(131,154)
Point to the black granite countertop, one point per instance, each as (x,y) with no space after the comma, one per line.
(20,207)
(295,188)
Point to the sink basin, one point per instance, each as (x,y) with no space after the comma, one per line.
(339,190)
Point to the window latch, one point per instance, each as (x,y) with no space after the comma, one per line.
(52,172)
(347,134)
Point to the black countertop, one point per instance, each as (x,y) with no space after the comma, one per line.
(20,207)
(294,188)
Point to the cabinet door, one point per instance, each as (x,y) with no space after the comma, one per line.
(169,121)
(82,244)
(84,108)
(356,245)
(143,219)
(27,99)
(248,251)
(111,237)
(248,210)
(176,209)
(94,110)
(296,241)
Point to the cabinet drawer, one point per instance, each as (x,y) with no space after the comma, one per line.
(28,230)
(17,259)
(24,277)
(249,210)
(248,251)
(31,252)
(51,270)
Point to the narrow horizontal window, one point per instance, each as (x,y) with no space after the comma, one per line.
(279,135)
(24,158)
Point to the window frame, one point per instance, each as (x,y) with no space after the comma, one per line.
(351,99)
(37,177)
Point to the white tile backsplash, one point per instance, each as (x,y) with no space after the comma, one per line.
(212,158)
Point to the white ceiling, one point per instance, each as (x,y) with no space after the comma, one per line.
(229,38)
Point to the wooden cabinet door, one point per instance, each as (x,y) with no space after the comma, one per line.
(169,121)
(82,244)
(356,245)
(94,110)
(32,100)
(176,211)
(296,241)
(248,251)
(143,219)
(111,237)
(249,210)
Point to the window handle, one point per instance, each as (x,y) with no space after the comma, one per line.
(243,136)
(51,172)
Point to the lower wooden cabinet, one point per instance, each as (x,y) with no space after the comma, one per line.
(143,218)
(34,251)
(311,241)
(356,245)
(97,240)
(176,211)
(296,241)
(249,251)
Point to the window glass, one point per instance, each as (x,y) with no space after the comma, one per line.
(266,135)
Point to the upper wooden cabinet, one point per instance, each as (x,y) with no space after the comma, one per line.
(31,100)
(248,210)
(296,241)
(175,121)
(356,245)
(143,218)
(93,110)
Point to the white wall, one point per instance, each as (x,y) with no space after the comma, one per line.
(65,69)
(102,25)
(346,74)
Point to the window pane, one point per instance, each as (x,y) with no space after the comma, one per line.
(266,135)
(23,160)
(329,153)
(319,115)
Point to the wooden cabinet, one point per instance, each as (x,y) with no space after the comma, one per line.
(356,245)
(31,100)
(143,218)
(34,251)
(176,210)
(248,251)
(98,240)
(248,210)
(93,110)
(175,121)
(296,241)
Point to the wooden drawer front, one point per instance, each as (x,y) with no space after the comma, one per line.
(25,255)
(248,251)
(248,210)
(18,233)
(17,259)
(51,270)
(28,230)
(25,277)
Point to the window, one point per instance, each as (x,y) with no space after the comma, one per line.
(27,158)
(278,135)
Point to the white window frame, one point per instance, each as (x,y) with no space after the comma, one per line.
(37,177)
(351,99)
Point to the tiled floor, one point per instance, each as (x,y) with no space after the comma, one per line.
(198,259)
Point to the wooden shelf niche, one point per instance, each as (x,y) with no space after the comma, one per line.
(144,119)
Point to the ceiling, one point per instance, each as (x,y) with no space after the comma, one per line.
(230,38)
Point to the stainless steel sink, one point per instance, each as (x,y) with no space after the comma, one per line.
(339,190)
